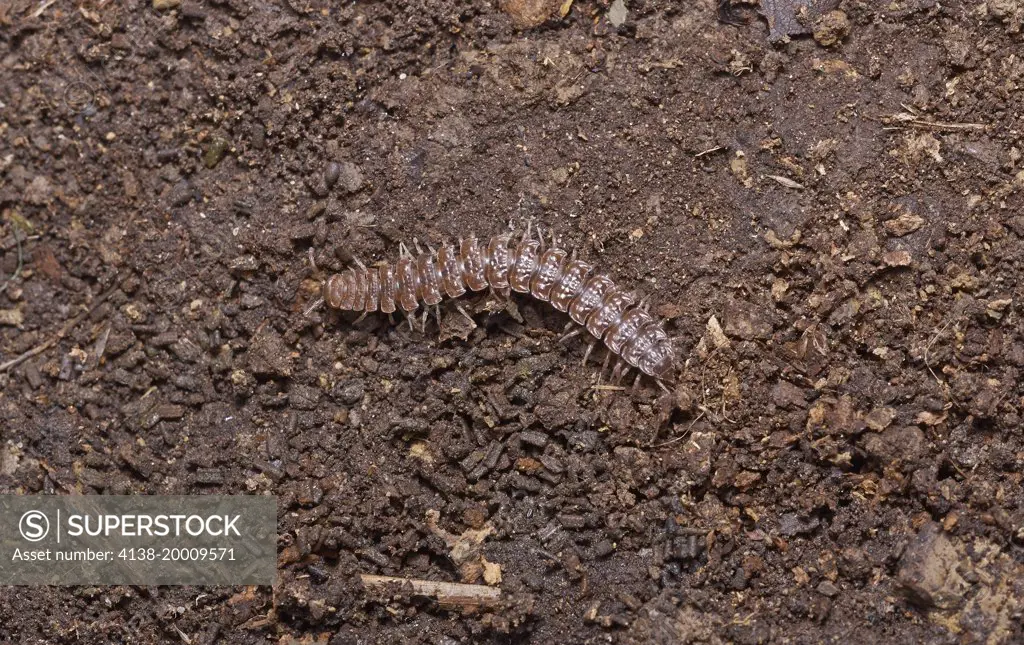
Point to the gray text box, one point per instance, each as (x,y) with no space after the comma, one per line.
(138,539)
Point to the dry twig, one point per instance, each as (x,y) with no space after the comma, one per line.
(449,595)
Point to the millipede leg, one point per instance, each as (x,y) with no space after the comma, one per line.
(391,319)
(359,264)
(619,374)
(661,384)
(636,381)
(468,317)
(403,250)
(586,354)
(416,245)
(313,307)
(526,233)
(409,317)
(572,334)
(437,314)
(361,316)
(540,238)
(312,260)
(604,365)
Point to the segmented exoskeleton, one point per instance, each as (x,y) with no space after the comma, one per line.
(609,313)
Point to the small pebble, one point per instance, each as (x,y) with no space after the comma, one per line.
(331,174)
(215,152)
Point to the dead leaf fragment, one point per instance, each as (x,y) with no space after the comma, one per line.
(793,17)
(880,418)
(905,224)
(899,258)
(738,166)
(930,418)
(779,289)
(787,182)
(531,13)
(714,338)
(11,317)
(492,573)
(466,549)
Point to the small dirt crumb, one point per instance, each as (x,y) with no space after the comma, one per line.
(39,192)
(831,28)
(350,177)
(268,355)
(880,419)
(1002,9)
(996,308)
(746,321)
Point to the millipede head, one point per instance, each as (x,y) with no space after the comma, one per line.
(335,291)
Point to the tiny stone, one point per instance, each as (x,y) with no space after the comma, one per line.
(32,376)
(163,5)
(827,588)
(215,152)
(331,174)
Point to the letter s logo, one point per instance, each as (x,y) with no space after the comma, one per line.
(34,526)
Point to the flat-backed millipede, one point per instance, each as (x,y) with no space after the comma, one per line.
(551,274)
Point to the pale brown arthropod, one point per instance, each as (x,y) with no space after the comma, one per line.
(591,299)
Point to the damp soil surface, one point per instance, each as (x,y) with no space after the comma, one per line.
(831,226)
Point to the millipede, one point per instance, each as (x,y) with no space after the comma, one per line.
(609,313)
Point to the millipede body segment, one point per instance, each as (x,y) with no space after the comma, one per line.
(591,298)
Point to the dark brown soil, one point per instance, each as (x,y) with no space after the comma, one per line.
(835,233)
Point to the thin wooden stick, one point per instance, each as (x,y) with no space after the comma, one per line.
(449,595)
